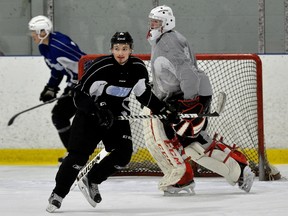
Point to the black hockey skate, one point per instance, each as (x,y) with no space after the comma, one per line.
(54,202)
(90,191)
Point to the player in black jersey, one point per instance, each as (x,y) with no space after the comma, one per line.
(101,95)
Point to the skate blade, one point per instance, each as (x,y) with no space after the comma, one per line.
(84,191)
(73,186)
(248,183)
(168,194)
(248,180)
(183,192)
(51,208)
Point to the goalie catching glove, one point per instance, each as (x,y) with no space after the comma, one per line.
(191,127)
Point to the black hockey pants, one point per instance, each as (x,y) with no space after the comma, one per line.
(62,112)
(85,135)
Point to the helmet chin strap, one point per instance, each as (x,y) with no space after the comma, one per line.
(42,38)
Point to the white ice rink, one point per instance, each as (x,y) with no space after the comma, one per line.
(24,191)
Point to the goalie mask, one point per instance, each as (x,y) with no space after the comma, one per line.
(190,127)
(163,15)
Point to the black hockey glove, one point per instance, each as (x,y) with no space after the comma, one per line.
(69,90)
(48,93)
(104,115)
(171,116)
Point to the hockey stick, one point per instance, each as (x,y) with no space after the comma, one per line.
(10,122)
(221,101)
(83,172)
(190,115)
(219,108)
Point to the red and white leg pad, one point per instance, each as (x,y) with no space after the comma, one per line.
(165,154)
(215,160)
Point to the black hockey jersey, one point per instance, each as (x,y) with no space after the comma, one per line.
(108,81)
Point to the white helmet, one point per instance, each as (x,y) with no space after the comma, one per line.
(165,14)
(40,23)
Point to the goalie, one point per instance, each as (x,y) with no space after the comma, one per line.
(184,88)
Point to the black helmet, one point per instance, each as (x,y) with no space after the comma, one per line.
(122,38)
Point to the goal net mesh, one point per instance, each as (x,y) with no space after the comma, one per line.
(241,122)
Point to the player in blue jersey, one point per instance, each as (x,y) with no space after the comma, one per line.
(61,55)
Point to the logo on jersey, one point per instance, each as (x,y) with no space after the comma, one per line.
(118,91)
(127,137)
(77,167)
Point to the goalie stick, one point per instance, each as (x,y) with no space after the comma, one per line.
(219,108)
(10,122)
(190,115)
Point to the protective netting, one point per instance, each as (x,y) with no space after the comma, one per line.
(241,122)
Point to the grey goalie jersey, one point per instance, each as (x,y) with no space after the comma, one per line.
(174,69)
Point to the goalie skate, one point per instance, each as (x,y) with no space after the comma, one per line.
(183,190)
(90,191)
(246,180)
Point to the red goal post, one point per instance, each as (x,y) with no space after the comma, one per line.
(241,123)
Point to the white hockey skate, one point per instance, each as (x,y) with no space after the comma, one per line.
(54,202)
(90,191)
(246,181)
(183,190)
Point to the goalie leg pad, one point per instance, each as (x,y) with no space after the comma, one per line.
(233,152)
(246,179)
(230,170)
(188,176)
(167,157)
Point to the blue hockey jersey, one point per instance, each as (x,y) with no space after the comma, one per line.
(61,56)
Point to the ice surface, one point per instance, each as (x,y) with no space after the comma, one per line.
(24,190)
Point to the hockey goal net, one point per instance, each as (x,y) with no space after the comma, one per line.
(241,123)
